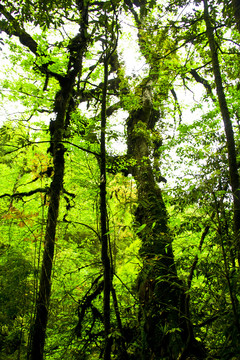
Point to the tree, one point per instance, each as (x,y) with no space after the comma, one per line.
(232,159)
(160,292)
(103,204)
(63,105)
(221,53)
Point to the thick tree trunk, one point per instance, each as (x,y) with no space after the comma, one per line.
(166,332)
(231,148)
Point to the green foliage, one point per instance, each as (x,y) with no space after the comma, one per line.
(18,269)
(189,146)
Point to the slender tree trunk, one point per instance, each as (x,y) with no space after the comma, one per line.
(57,150)
(104,227)
(231,148)
(57,128)
(42,305)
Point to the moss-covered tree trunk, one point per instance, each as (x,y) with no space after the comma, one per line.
(166,332)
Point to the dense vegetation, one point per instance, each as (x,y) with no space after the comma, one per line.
(119,194)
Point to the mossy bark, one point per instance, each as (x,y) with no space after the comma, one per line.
(166,332)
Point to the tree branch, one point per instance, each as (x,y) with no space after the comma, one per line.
(81,148)
(13,28)
(27,193)
(87,226)
(204,82)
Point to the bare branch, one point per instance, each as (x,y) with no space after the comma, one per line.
(27,193)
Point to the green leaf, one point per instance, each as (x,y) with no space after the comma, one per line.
(153,224)
(141,228)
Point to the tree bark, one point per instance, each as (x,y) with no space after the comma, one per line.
(62,107)
(165,330)
(236,11)
(38,333)
(42,305)
(231,148)
(104,227)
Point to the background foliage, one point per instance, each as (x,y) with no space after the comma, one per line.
(169,75)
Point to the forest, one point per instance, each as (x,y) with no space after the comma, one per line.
(120,189)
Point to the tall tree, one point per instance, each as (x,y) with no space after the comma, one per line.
(231,147)
(70,75)
(108,50)
(166,329)
(63,105)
